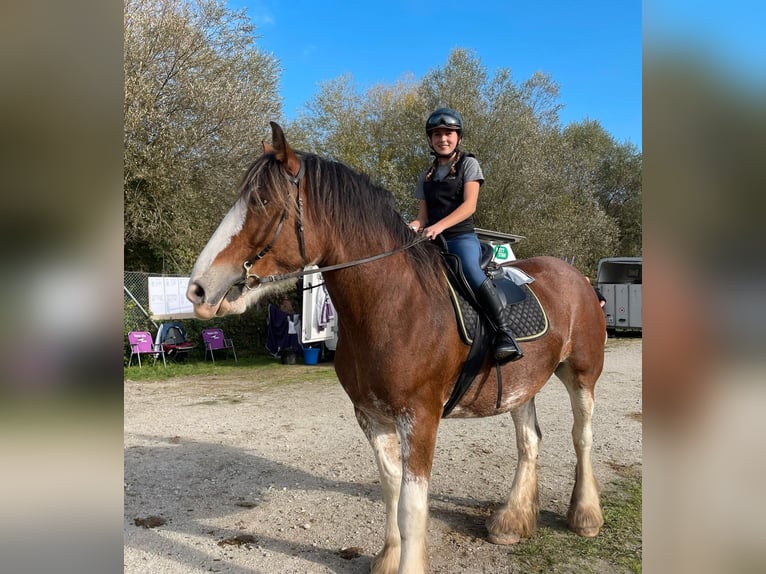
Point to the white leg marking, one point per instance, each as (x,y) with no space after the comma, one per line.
(385,446)
(584,515)
(517,518)
(413,506)
(413,523)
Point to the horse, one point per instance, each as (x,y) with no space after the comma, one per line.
(399,351)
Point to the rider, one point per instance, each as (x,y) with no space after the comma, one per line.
(447,193)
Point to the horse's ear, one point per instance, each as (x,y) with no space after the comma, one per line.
(267,147)
(283,151)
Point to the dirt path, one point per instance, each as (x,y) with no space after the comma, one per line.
(281,471)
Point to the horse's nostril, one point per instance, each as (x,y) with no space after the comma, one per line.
(195,293)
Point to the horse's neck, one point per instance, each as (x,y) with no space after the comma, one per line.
(374,291)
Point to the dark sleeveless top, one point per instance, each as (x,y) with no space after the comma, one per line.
(445,196)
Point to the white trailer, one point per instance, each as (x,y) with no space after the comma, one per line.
(619,279)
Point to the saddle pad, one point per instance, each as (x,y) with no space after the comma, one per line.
(527,318)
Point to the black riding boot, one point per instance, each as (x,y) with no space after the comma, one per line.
(506,347)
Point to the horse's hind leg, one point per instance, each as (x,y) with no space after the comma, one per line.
(584,515)
(385,445)
(517,518)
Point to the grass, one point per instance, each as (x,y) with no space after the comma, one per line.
(256,369)
(617,548)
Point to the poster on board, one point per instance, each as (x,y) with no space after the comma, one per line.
(167,298)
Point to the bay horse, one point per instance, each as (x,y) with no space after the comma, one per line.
(399,352)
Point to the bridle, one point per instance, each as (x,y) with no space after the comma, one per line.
(296,181)
(258,280)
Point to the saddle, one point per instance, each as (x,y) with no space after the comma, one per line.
(523,310)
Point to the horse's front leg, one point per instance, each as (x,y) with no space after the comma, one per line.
(385,445)
(417,435)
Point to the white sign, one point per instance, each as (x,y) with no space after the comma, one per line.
(167,298)
(503,253)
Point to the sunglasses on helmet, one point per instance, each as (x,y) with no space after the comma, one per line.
(445,120)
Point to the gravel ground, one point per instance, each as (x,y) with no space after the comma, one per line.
(231,475)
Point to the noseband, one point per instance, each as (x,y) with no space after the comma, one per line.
(257,280)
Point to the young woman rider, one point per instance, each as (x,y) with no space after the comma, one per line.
(448,192)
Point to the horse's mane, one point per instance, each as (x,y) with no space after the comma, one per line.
(359,209)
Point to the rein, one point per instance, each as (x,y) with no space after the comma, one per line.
(257,280)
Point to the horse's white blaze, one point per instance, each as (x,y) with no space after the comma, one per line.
(227,229)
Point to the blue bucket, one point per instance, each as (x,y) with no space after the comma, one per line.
(311,355)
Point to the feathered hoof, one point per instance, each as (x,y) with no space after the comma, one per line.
(585,522)
(586,532)
(509,525)
(386,561)
(504,539)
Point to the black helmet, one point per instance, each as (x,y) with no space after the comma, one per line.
(445,118)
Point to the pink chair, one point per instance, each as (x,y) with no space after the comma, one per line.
(215,340)
(141,344)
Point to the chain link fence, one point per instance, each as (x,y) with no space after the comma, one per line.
(136,302)
(249,330)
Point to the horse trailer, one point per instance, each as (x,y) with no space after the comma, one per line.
(619,279)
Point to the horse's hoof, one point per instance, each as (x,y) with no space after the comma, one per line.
(385,562)
(586,532)
(504,539)
(585,521)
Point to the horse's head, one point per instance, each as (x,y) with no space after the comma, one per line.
(264,220)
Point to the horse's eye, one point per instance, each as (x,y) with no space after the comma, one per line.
(256,200)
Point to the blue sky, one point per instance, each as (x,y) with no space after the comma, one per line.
(729,36)
(591,48)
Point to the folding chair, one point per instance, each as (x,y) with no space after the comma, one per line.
(172,337)
(141,344)
(215,340)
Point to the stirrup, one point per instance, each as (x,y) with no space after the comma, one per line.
(507,352)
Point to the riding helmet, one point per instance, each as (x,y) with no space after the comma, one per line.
(445,118)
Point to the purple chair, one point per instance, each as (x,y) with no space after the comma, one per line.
(141,344)
(215,340)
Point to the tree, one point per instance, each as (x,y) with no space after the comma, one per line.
(613,172)
(541,182)
(198,98)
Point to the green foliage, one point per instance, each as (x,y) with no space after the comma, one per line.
(198,98)
(573,192)
(612,173)
(199,95)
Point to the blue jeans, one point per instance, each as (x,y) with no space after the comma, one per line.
(466,246)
